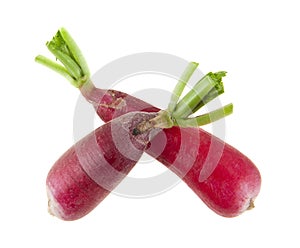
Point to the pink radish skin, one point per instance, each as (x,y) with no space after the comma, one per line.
(84,175)
(112,103)
(235,181)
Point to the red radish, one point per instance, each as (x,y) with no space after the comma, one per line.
(235,181)
(231,183)
(84,175)
(110,104)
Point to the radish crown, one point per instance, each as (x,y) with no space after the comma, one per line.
(74,68)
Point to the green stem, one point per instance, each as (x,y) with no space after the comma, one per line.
(71,66)
(215,92)
(54,66)
(204,91)
(64,48)
(75,51)
(205,119)
(190,102)
(181,85)
(208,88)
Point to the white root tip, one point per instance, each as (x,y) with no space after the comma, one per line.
(251,204)
(53,206)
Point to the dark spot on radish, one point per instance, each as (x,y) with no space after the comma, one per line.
(136,131)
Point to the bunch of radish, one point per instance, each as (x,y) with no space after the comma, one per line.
(84,175)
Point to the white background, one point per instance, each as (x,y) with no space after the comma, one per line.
(257,42)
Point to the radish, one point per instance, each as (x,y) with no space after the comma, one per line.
(228,182)
(85,174)
(234,181)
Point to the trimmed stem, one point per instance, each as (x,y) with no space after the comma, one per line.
(190,102)
(205,119)
(208,88)
(192,66)
(54,66)
(75,51)
(214,93)
(71,66)
(74,66)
